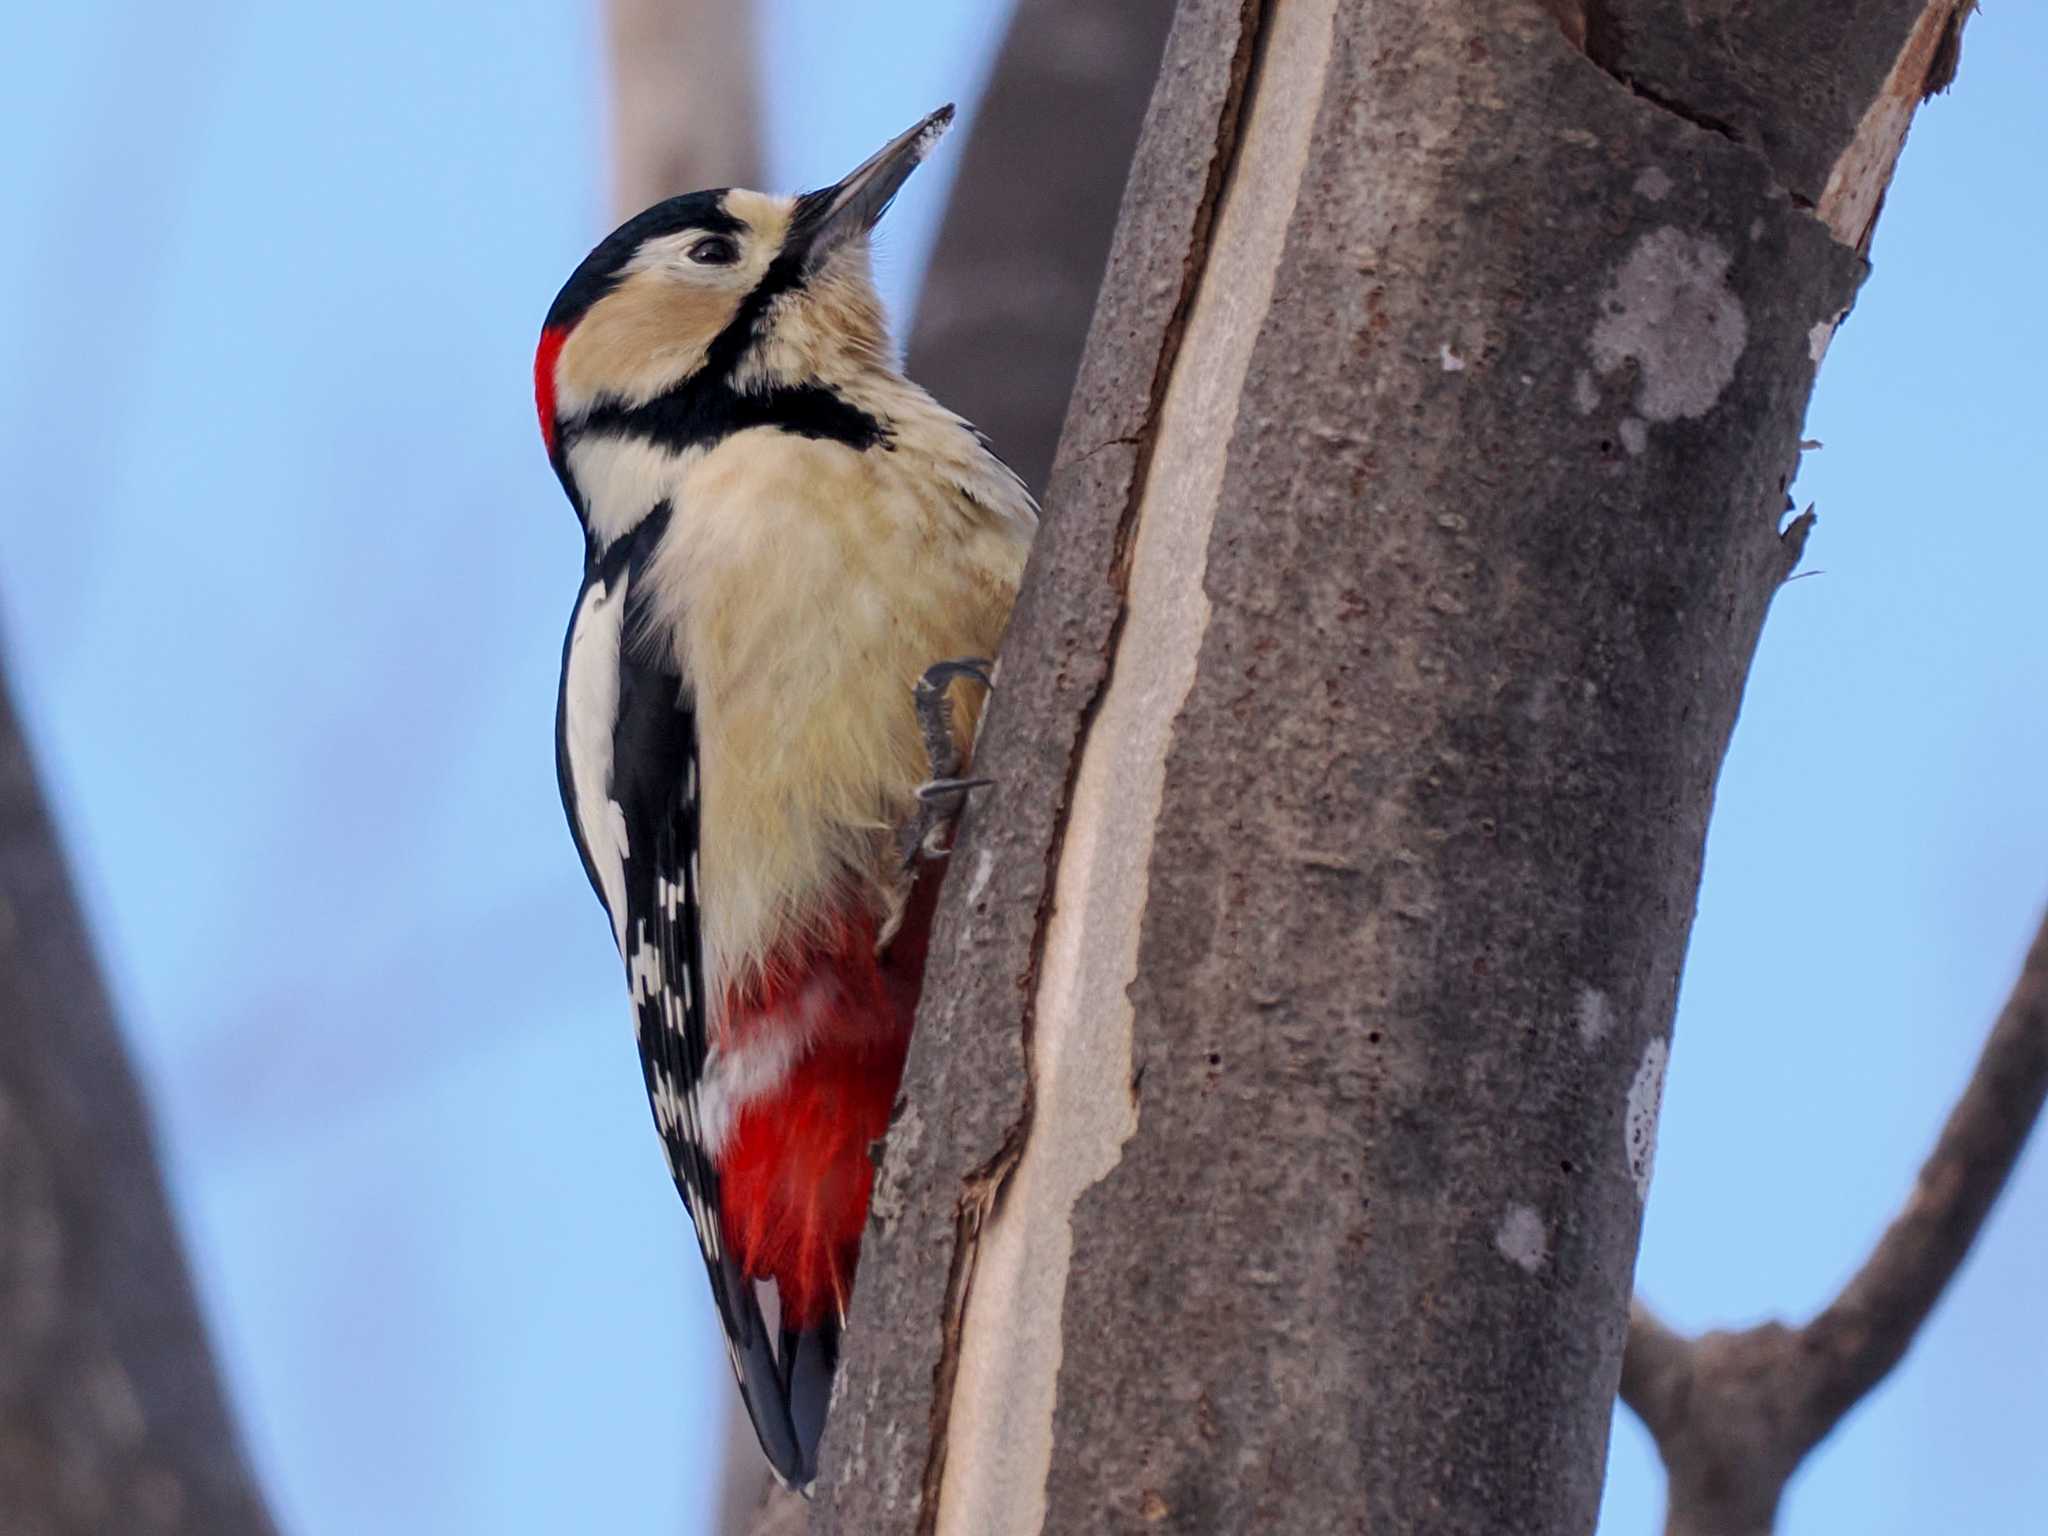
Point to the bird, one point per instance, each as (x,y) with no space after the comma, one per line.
(795,564)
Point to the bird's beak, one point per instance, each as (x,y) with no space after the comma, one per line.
(830,217)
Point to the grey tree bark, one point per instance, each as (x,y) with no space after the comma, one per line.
(111,1414)
(1274,1140)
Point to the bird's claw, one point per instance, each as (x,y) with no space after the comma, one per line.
(933,790)
(942,797)
(942,674)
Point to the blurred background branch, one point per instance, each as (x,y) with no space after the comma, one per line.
(1006,301)
(111,1415)
(1735,1413)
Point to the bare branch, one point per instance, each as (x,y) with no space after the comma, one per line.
(1656,1371)
(1734,1414)
(111,1417)
(1852,1345)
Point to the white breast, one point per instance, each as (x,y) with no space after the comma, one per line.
(808,586)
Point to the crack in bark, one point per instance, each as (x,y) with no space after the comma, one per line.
(1603,43)
(1254,15)
(1103,447)
(1926,65)
(1672,105)
(979,1194)
(982,1190)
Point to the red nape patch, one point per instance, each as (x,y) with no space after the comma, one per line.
(550,348)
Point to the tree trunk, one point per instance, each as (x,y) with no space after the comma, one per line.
(111,1418)
(1285,1091)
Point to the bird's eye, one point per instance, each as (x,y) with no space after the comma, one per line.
(715,251)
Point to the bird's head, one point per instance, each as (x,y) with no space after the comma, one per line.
(698,315)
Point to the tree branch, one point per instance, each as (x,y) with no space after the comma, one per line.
(1656,1370)
(1004,309)
(111,1417)
(1868,1328)
(1733,1414)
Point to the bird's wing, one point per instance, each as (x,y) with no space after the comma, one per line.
(627,755)
(665,971)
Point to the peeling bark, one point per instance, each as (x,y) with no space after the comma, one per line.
(111,1417)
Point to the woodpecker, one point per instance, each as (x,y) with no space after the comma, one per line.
(788,547)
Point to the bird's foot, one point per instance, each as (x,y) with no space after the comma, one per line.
(942,797)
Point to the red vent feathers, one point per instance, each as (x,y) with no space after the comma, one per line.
(796,1176)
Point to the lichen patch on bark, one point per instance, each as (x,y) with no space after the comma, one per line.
(1595,1015)
(1522,1238)
(1639,1125)
(1670,312)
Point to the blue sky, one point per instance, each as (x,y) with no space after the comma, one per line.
(283,589)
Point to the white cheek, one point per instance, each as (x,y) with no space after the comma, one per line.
(731,277)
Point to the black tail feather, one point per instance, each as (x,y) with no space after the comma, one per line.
(785,1377)
(810,1357)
